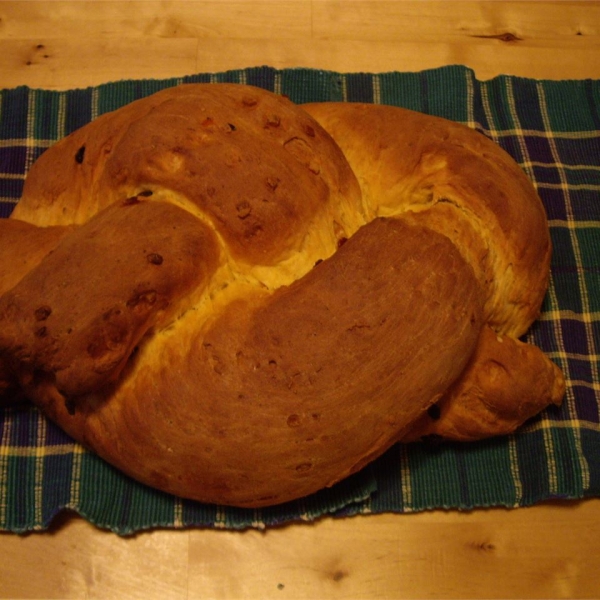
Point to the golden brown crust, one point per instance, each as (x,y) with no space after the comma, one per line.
(276,414)
(327,282)
(139,258)
(204,146)
(506,383)
(23,247)
(467,186)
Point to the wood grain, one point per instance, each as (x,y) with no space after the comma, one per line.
(66,44)
(550,550)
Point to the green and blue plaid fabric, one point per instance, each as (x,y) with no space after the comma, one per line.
(552,129)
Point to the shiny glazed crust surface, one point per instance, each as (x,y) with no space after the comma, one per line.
(241,301)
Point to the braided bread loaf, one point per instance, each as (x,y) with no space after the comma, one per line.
(239,300)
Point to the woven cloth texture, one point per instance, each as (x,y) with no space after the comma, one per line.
(551,128)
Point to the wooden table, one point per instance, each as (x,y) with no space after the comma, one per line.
(551,550)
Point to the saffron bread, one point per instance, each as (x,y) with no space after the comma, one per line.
(241,301)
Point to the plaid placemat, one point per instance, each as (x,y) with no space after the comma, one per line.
(552,129)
